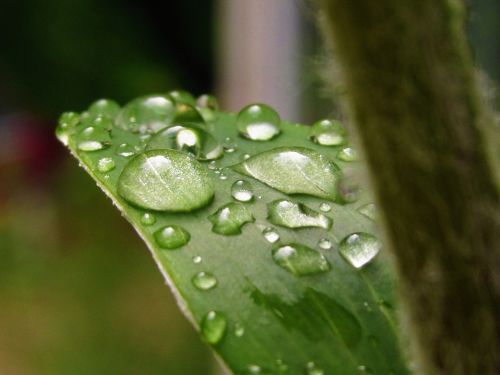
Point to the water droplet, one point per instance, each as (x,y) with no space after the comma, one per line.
(187,113)
(256,370)
(125,150)
(148,218)
(181,96)
(213,327)
(327,133)
(146,114)
(223,176)
(282,366)
(348,154)
(359,248)
(348,188)
(271,235)
(242,191)
(197,259)
(165,180)
(66,123)
(212,165)
(369,210)
(104,107)
(325,207)
(208,102)
(364,369)
(258,122)
(300,260)
(295,215)
(313,369)
(93,138)
(230,218)
(246,156)
(105,164)
(190,138)
(204,281)
(239,330)
(325,244)
(171,237)
(293,170)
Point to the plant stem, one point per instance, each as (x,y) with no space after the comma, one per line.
(411,88)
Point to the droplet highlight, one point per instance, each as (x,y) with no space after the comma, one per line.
(271,235)
(242,191)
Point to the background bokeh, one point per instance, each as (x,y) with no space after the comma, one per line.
(79,293)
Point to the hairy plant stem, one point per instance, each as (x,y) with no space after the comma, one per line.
(411,89)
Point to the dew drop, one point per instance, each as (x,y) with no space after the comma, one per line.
(212,165)
(93,138)
(104,107)
(207,102)
(182,96)
(313,369)
(187,113)
(364,369)
(222,176)
(242,191)
(239,330)
(327,133)
(290,214)
(188,137)
(246,156)
(165,180)
(256,370)
(229,218)
(271,235)
(325,207)
(105,164)
(66,123)
(148,218)
(348,188)
(213,327)
(204,281)
(171,237)
(294,170)
(300,259)
(125,150)
(258,122)
(348,154)
(369,210)
(281,365)
(325,244)
(197,259)
(359,248)
(146,114)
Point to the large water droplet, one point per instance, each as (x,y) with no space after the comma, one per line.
(148,218)
(208,102)
(271,235)
(295,215)
(348,154)
(213,327)
(93,138)
(294,170)
(188,137)
(230,218)
(66,123)
(300,259)
(165,180)
(104,107)
(171,237)
(359,248)
(187,113)
(327,133)
(146,114)
(105,164)
(313,369)
(258,122)
(181,96)
(242,191)
(369,210)
(204,281)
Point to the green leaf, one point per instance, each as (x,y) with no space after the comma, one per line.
(311,295)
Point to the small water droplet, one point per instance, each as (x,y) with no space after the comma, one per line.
(256,370)
(364,369)
(242,191)
(295,215)
(208,102)
(213,327)
(300,259)
(222,176)
(125,150)
(369,210)
(104,107)
(313,369)
(182,96)
(325,244)
(212,165)
(197,259)
(165,180)
(348,188)
(106,176)
(281,365)
(146,114)
(66,124)
(246,156)
(325,207)
(148,218)
(229,218)
(294,170)
(105,164)
(190,138)
(93,138)
(348,154)
(204,281)
(327,133)
(271,235)
(359,248)
(258,122)
(171,237)
(239,330)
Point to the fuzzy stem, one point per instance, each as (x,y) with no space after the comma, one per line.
(411,89)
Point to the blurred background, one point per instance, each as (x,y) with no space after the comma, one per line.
(79,293)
